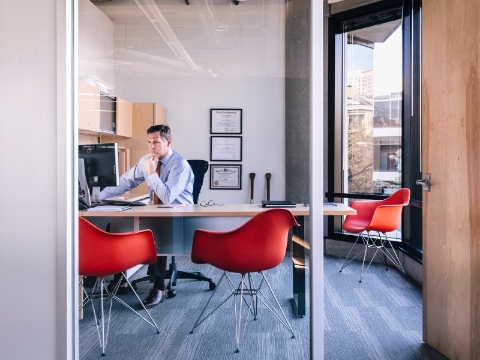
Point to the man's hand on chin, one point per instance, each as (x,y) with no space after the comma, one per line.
(150,165)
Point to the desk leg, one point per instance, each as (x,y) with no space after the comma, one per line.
(298,261)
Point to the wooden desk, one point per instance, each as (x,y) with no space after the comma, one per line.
(174,228)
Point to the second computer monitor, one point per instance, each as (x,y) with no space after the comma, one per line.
(101,164)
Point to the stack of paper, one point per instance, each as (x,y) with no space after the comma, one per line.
(171,206)
(109,208)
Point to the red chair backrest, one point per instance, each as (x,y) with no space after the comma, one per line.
(378,215)
(399,197)
(388,215)
(257,245)
(102,253)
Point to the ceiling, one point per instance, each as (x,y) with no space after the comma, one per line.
(377,33)
(204,38)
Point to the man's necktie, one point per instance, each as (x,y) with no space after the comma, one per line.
(157,170)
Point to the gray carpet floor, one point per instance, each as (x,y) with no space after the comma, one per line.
(380,318)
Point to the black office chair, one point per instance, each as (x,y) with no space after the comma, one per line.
(199,168)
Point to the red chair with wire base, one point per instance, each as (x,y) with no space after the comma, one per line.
(101,254)
(381,216)
(256,246)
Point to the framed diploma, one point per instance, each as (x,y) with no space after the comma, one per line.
(225,148)
(225,177)
(225,121)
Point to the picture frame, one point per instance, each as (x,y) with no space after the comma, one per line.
(226,121)
(225,176)
(225,148)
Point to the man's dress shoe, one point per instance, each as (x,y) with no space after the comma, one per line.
(154,298)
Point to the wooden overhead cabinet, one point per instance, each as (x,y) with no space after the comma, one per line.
(148,114)
(123,126)
(88,107)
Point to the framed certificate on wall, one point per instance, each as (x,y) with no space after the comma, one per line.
(225,148)
(225,177)
(225,121)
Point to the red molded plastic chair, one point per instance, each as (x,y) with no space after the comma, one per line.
(381,216)
(101,254)
(256,246)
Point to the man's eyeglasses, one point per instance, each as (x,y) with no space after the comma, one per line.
(209,203)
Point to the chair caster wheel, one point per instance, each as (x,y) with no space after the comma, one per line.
(171,293)
(211,286)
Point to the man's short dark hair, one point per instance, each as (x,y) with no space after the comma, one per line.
(164,131)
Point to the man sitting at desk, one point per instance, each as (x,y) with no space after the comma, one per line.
(170,177)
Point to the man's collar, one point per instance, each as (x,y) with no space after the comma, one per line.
(167,157)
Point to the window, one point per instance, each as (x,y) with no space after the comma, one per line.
(371,100)
(373,126)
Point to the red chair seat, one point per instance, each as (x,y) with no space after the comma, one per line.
(101,254)
(382,216)
(257,245)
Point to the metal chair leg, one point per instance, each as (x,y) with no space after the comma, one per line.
(99,289)
(200,319)
(347,261)
(396,261)
(242,290)
(283,318)
(379,245)
(238,317)
(102,337)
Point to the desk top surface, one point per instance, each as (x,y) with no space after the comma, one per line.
(216,210)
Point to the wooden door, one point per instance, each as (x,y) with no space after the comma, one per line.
(451,153)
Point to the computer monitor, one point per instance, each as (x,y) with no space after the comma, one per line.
(97,168)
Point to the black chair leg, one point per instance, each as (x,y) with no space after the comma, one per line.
(150,278)
(173,274)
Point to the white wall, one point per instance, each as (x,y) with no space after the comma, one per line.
(28,209)
(188,102)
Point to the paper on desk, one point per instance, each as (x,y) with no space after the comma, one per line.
(171,205)
(330,204)
(109,208)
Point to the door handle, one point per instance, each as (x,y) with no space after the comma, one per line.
(425,182)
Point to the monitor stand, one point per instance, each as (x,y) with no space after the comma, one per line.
(84,191)
(96,194)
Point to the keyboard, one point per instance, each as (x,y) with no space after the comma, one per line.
(123,202)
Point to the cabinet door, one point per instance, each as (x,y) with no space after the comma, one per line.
(88,107)
(123,118)
(159,115)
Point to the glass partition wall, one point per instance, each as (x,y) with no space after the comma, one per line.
(182,59)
